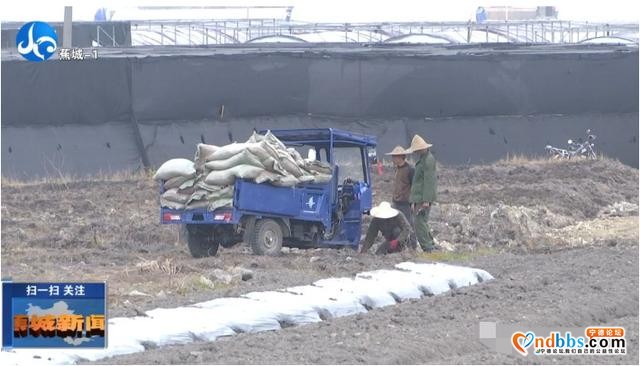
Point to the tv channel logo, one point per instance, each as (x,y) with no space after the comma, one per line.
(54,315)
(37,41)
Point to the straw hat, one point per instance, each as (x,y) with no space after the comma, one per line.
(398,150)
(384,211)
(417,144)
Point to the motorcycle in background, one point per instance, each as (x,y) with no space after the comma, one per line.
(580,148)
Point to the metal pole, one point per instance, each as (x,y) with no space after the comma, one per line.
(113,35)
(587,28)
(67,29)
(533,33)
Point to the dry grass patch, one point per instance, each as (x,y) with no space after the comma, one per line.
(451,256)
(63,180)
(522,160)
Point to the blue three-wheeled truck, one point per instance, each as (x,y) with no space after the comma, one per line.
(305,216)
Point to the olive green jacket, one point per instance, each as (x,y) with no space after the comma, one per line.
(423,187)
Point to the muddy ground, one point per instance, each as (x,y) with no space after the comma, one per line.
(573,224)
(569,288)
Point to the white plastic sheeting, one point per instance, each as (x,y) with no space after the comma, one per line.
(268,310)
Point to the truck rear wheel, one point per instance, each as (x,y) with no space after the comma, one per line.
(266,238)
(200,241)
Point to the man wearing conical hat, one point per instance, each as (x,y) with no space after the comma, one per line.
(393,226)
(423,190)
(402,182)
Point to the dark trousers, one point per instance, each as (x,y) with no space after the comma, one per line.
(423,231)
(405,208)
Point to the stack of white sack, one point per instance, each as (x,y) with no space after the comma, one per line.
(207,182)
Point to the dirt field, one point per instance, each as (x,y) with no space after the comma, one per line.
(531,289)
(561,238)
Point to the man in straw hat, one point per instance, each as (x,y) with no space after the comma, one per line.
(423,190)
(402,182)
(394,227)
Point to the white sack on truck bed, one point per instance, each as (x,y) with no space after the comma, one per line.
(273,165)
(243,157)
(175,168)
(228,176)
(227,151)
(176,182)
(222,202)
(174,195)
(296,156)
(203,154)
(266,176)
(172,198)
(222,192)
(255,137)
(207,183)
(290,166)
(317,166)
(262,150)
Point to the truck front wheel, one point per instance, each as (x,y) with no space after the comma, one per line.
(266,238)
(200,241)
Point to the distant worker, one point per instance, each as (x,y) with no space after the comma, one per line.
(402,182)
(423,191)
(395,229)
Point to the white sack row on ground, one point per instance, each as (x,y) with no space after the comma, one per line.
(207,182)
(268,310)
